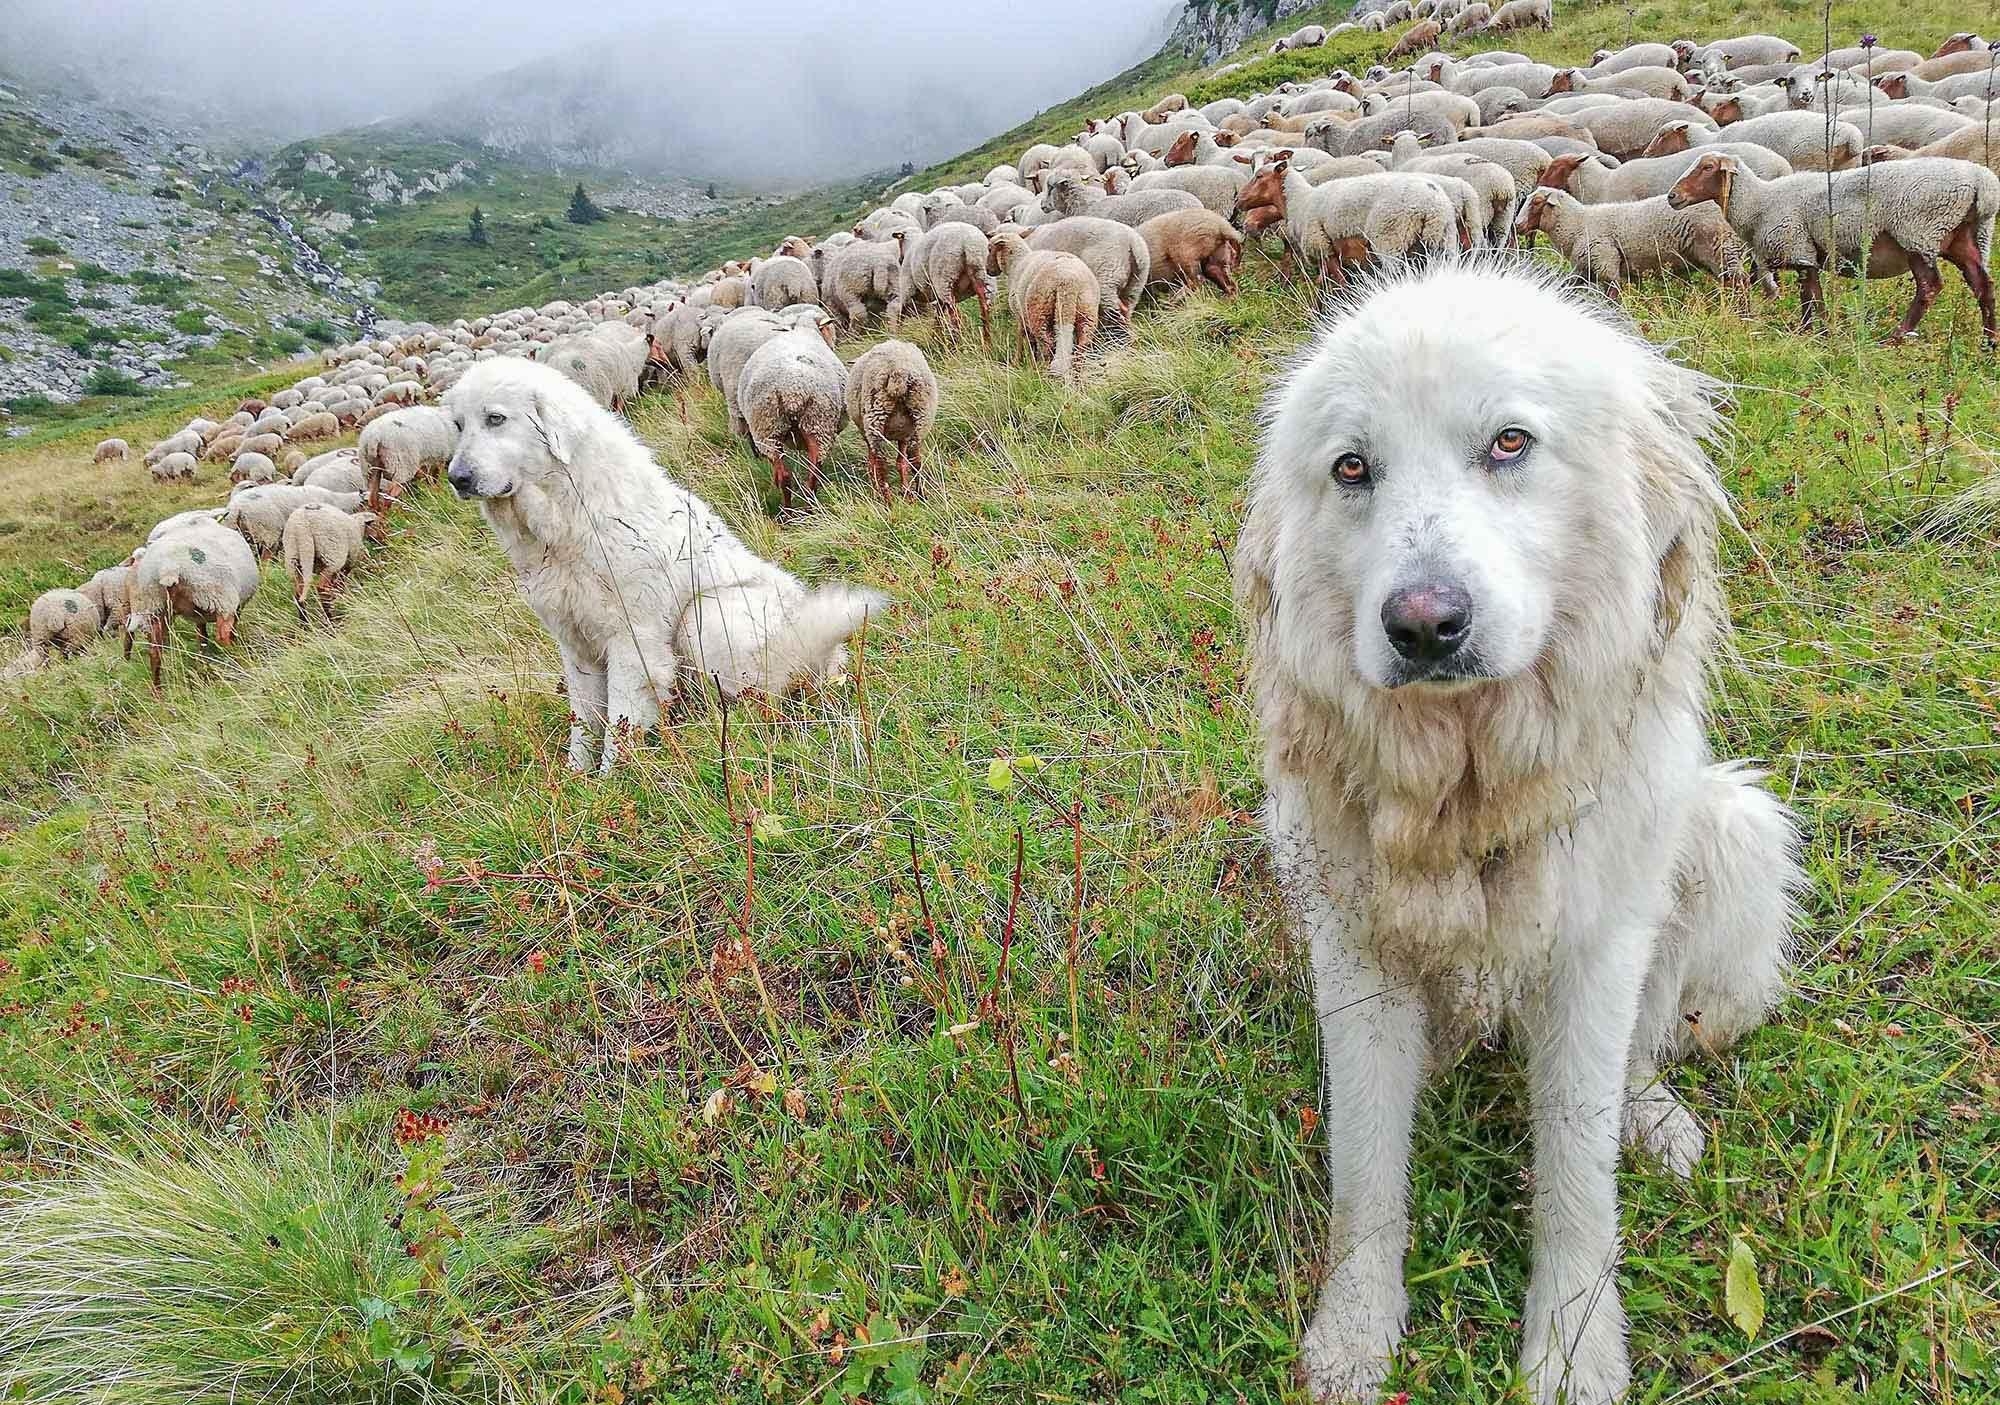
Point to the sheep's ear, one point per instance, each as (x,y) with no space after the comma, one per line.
(551,421)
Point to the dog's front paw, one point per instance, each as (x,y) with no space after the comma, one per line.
(1346,1353)
(1658,1126)
(1565,1363)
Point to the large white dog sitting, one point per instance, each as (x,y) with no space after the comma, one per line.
(1479,570)
(634,575)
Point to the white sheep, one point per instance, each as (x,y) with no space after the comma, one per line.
(782,281)
(320,544)
(111,451)
(949,265)
(1621,242)
(1885,220)
(258,513)
(62,622)
(404,445)
(793,388)
(253,468)
(175,465)
(1805,140)
(1114,253)
(201,572)
(892,397)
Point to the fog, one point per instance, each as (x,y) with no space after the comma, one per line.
(764,90)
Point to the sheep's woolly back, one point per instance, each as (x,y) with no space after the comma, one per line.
(892,393)
(793,384)
(63,620)
(215,566)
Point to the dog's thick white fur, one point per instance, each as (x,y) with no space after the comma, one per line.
(1514,815)
(634,575)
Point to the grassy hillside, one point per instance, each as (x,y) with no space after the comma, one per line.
(760,1077)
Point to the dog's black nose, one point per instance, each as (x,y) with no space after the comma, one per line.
(460,479)
(1427,623)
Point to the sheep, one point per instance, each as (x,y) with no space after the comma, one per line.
(109,591)
(1885,219)
(1956,62)
(185,442)
(737,340)
(1901,124)
(1115,254)
(1646,80)
(1054,297)
(1647,176)
(1522,160)
(730,292)
(202,572)
(1184,246)
(1458,109)
(63,622)
(1066,195)
(1648,55)
(1976,143)
(1736,52)
(1820,91)
(1521,14)
(1728,108)
(958,212)
(1338,138)
(258,513)
(318,426)
(948,266)
(339,472)
(268,445)
(1470,19)
(607,362)
(253,468)
(1983,82)
(1216,187)
(405,444)
(1614,244)
(175,465)
(1805,139)
(892,397)
(192,517)
(1419,38)
(862,273)
(111,451)
(1623,129)
(793,388)
(320,544)
(1492,185)
(780,282)
(1963,42)
(1384,215)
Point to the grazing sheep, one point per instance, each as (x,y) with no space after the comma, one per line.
(108,590)
(1387,215)
(176,465)
(1521,14)
(1492,184)
(1740,51)
(780,282)
(605,361)
(1216,187)
(201,572)
(1419,38)
(1185,246)
(193,516)
(1066,195)
(1619,243)
(338,472)
(948,265)
(253,468)
(862,274)
(1471,19)
(316,426)
(1901,124)
(1115,254)
(1977,144)
(1646,80)
(1649,55)
(1341,138)
(1647,176)
(111,451)
(1803,139)
(258,513)
(1950,65)
(1888,219)
(403,445)
(1054,297)
(62,622)
(793,390)
(1624,129)
(225,447)
(892,397)
(269,445)
(320,544)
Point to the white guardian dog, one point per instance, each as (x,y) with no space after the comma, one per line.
(1479,574)
(635,576)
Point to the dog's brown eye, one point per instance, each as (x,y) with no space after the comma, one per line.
(1350,469)
(1508,444)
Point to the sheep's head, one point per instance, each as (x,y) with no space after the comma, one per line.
(1726,111)
(1181,151)
(1671,138)
(1599,57)
(1707,179)
(1959,43)
(1896,85)
(1563,81)
(1265,191)
(1534,211)
(1556,175)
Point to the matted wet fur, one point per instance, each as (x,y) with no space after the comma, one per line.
(1479,575)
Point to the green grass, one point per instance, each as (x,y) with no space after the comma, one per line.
(339,872)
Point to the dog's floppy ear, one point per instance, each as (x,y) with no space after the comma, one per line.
(1683,499)
(554,424)
(1255,565)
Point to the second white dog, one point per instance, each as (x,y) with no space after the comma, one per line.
(634,575)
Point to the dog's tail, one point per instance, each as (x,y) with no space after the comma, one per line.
(812,644)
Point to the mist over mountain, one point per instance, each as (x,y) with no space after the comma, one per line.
(754,92)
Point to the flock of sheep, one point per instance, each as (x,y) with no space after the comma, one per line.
(1730,156)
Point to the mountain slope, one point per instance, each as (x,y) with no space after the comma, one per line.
(726,1117)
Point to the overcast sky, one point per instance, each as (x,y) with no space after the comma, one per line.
(293,68)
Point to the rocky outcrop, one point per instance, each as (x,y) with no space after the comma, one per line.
(1209,29)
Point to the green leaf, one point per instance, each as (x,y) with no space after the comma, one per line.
(1742,1294)
(768,827)
(999,774)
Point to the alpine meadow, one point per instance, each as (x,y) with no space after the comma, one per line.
(938,1033)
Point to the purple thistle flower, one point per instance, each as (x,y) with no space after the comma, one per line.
(1867,41)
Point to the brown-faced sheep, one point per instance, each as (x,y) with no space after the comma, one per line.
(1185,246)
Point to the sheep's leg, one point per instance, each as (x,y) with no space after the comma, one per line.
(299,598)
(1812,309)
(1962,249)
(956,319)
(878,473)
(156,640)
(985,318)
(326,587)
(904,453)
(1924,273)
(812,464)
(781,476)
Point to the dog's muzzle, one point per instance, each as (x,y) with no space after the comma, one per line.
(1429,625)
